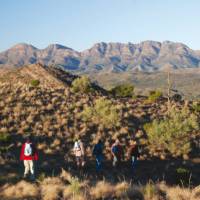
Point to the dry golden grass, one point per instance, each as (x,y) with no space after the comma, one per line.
(21,190)
(51,188)
(196,193)
(41,146)
(56,142)
(121,189)
(65,175)
(102,190)
(67,187)
(178,194)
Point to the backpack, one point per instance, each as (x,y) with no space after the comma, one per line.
(97,150)
(28,150)
(115,149)
(77,146)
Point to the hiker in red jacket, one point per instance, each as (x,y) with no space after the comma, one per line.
(28,155)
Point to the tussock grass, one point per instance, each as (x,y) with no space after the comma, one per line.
(65,186)
(20,190)
(51,188)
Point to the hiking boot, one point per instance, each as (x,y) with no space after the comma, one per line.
(32,178)
(25,176)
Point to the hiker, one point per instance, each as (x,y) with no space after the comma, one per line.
(29,154)
(79,153)
(117,153)
(98,153)
(133,152)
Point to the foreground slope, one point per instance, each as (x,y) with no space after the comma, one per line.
(51,112)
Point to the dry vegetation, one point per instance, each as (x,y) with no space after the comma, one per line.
(186,81)
(71,188)
(59,114)
(55,114)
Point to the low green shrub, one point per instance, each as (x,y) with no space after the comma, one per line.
(75,186)
(172,133)
(150,190)
(81,84)
(177,97)
(4,137)
(41,177)
(196,106)
(4,149)
(183,176)
(103,112)
(35,83)
(154,96)
(125,90)
(182,170)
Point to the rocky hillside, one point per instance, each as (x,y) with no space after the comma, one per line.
(47,76)
(148,56)
(41,100)
(55,115)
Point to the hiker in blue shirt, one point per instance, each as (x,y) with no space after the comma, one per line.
(98,153)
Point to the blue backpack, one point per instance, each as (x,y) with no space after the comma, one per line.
(97,149)
(115,149)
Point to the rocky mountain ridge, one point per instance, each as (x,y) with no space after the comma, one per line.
(147,56)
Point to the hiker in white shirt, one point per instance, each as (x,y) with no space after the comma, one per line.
(79,153)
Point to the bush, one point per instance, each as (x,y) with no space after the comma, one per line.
(183,176)
(4,137)
(196,106)
(172,134)
(75,190)
(177,97)
(154,96)
(150,191)
(35,83)
(125,90)
(75,186)
(103,112)
(181,170)
(41,177)
(81,84)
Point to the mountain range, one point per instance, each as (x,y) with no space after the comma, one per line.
(147,56)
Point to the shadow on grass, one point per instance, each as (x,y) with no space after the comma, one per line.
(51,165)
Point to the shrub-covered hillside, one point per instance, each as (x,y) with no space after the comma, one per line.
(56,107)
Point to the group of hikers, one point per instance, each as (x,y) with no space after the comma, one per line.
(29,155)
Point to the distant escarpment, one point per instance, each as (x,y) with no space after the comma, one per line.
(147,56)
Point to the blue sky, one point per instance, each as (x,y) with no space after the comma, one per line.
(81,23)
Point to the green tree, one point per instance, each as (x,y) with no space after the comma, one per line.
(125,90)
(172,133)
(103,112)
(81,84)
